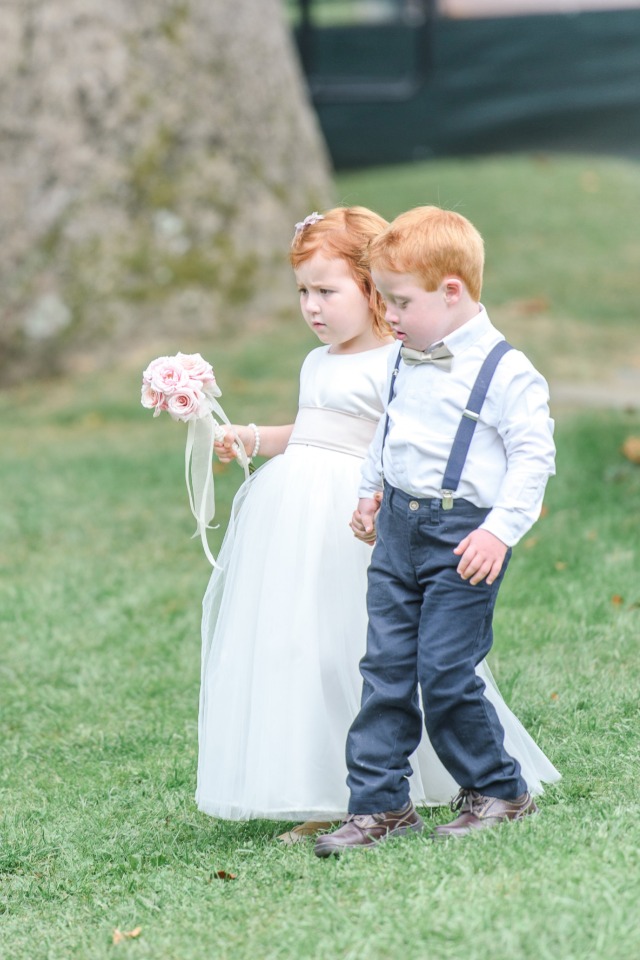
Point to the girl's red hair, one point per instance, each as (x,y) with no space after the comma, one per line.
(344,233)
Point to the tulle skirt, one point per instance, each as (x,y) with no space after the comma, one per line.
(283,629)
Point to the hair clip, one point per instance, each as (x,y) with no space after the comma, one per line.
(312,218)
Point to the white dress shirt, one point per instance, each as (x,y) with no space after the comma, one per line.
(512,452)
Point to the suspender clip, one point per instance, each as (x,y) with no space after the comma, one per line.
(447,499)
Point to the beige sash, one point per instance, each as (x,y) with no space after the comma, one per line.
(333,430)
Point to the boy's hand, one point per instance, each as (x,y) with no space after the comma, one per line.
(482,556)
(363,521)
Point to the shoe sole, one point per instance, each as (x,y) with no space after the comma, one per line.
(325,850)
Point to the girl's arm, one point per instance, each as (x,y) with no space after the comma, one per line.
(273,440)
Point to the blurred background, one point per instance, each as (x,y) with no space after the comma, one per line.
(153,158)
(398,80)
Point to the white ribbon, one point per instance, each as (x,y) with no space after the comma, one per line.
(198,470)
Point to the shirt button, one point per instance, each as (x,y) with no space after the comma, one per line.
(414,505)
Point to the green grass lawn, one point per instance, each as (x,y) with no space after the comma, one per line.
(100,593)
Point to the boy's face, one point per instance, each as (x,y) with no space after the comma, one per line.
(417,316)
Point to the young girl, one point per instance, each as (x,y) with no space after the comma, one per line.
(284,617)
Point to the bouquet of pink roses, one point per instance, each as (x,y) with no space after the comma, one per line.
(185,387)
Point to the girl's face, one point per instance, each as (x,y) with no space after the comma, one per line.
(334,306)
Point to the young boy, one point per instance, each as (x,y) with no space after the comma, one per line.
(462,477)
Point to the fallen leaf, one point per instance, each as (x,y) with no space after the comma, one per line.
(617,600)
(560,565)
(530,307)
(92,420)
(223,875)
(119,936)
(530,542)
(591,535)
(554,696)
(631,449)
(544,511)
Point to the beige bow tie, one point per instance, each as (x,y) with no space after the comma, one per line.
(440,355)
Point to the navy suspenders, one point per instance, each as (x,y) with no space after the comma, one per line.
(392,388)
(468,421)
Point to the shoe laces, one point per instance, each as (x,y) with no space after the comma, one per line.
(469,801)
(364,819)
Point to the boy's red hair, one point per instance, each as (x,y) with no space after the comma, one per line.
(431,244)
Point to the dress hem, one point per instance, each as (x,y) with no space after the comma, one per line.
(221,812)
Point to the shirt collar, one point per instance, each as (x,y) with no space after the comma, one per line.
(469,333)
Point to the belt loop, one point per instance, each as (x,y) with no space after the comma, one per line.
(435,511)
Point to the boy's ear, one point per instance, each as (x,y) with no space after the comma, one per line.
(452,287)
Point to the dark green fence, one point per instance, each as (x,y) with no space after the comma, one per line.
(392,92)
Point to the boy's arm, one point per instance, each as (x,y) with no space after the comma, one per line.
(363,521)
(371,471)
(526,430)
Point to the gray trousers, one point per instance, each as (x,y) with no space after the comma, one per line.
(427,627)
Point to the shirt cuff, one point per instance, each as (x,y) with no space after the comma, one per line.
(368,489)
(508,525)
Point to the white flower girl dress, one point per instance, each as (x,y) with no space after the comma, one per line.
(284,620)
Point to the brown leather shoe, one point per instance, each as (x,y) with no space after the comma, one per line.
(366,829)
(478,812)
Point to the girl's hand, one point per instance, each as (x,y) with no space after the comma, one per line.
(363,521)
(482,556)
(226,448)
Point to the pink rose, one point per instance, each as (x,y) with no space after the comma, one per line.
(148,373)
(153,400)
(196,366)
(187,403)
(168,376)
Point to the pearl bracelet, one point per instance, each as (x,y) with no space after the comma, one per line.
(256,444)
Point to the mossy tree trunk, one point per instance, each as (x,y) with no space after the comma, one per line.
(153,159)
